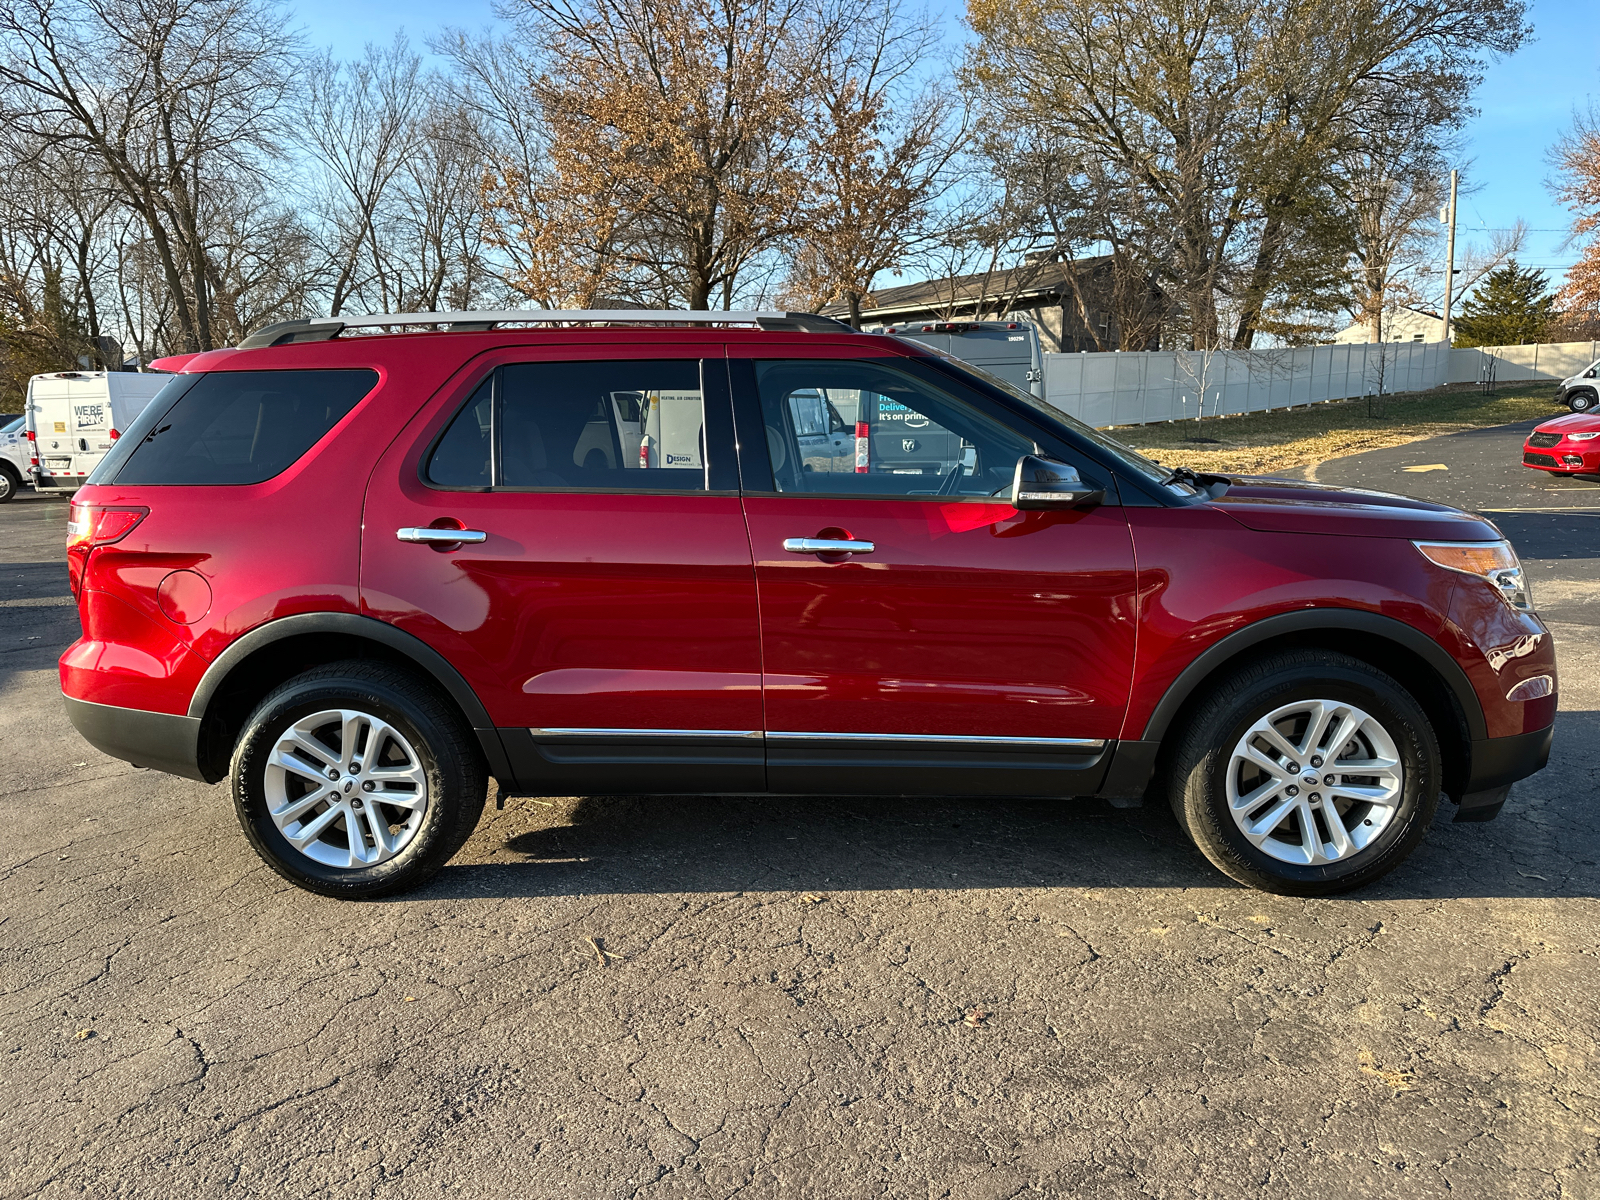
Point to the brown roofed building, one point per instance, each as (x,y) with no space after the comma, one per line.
(1040,292)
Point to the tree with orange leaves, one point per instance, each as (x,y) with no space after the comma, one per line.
(671,157)
(1577,159)
(878,152)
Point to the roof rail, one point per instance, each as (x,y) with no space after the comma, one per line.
(322,329)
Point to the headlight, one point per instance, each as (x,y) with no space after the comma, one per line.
(1494,561)
(1583,437)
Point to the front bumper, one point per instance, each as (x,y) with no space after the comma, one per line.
(160,741)
(1557,459)
(1497,763)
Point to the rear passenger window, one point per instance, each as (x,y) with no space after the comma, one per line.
(606,426)
(236,427)
(464,455)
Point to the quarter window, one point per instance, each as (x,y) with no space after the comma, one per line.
(612,426)
(235,427)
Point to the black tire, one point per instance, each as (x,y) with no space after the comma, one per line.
(1197,778)
(444,750)
(10,483)
(1580,402)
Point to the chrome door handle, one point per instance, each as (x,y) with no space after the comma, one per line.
(826,546)
(435,536)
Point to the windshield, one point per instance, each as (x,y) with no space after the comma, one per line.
(1126,455)
(11,426)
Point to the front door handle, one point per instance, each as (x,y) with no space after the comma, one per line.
(827,546)
(440,536)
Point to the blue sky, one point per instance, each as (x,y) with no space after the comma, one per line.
(1525,101)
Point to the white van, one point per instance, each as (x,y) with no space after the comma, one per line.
(14,454)
(1009,349)
(672,434)
(1580,392)
(74,416)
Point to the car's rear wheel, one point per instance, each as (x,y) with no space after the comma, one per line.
(356,780)
(1581,401)
(1307,773)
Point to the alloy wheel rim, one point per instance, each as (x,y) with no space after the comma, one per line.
(1314,782)
(345,788)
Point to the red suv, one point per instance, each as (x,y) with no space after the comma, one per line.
(685,553)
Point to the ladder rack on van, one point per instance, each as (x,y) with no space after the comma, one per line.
(321,329)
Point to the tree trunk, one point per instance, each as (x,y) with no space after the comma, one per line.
(1262,272)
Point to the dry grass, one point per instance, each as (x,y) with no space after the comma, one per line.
(1262,443)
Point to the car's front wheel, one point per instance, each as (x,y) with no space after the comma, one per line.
(356,780)
(9,484)
(1307,773)
(1580,402)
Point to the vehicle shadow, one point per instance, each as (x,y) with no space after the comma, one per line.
(1545,844)
(38,619)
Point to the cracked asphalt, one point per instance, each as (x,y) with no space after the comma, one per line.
(798,997)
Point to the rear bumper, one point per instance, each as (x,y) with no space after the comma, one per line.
(160,741)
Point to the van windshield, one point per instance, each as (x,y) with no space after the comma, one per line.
(14,424)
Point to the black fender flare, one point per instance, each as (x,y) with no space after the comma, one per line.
(1308,620)
(429,660)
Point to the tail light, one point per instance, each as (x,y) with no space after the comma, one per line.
(89,526)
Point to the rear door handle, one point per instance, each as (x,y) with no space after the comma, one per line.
(434,536)
(826,546)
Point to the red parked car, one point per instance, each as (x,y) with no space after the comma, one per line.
(678,553)
(1567,445)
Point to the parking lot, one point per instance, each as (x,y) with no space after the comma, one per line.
(801,997)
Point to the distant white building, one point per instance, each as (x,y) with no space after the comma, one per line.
(1401,325)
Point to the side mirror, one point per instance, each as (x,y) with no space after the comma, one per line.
(1045,483)
(1589,374)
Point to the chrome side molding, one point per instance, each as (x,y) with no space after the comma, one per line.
(602,732)
(944,739)
(925,739)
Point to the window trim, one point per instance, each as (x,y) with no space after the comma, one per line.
(492,373)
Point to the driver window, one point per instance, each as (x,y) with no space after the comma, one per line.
(869,430)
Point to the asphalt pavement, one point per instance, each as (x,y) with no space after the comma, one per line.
(797,997)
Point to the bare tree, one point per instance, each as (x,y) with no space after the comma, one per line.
(1394,194)
(362,124)
(53,251)
(1226,114)
(167,95)
(1067,207)
(435,254)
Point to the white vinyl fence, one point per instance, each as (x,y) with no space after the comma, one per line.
(1551,360)
(1142,387)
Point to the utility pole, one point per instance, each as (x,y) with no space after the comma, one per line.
(1448,217)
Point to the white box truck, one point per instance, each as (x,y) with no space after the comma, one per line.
(74,416)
